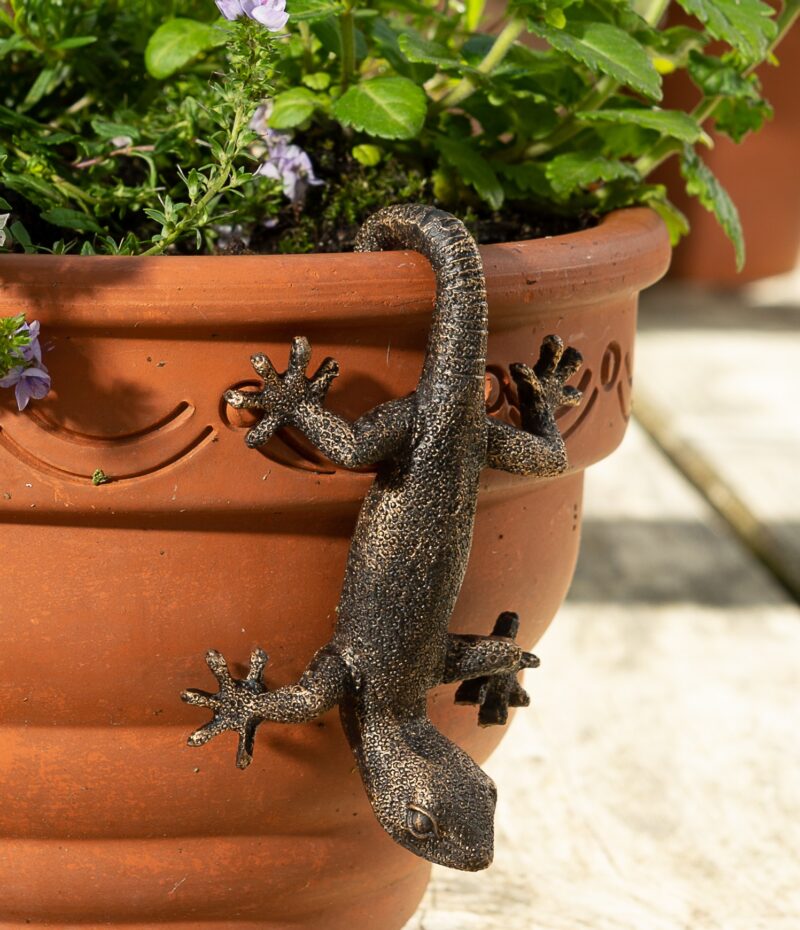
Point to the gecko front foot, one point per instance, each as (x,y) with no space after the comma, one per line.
(542,389)
(283,395)
(495,693)
(235,705)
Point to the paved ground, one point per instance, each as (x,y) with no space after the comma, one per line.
(655,784)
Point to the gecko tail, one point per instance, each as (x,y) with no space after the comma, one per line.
(456,353)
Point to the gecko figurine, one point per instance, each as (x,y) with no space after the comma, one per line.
(408,555)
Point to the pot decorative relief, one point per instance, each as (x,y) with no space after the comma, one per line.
(113,592)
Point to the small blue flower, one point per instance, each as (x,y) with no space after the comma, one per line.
(290,165)
(270,13)
(32,382)
(32,352)
(230,9)
(284,161)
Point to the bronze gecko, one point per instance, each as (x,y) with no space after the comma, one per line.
(408,555)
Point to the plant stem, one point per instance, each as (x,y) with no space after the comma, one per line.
(125,150)
(305,35)
(662,150)
(216,185)
(348,27)
(502,44)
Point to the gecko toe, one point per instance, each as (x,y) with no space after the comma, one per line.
(472,691)
(518,696)
(549,356)
(244,751)
(258,662)
(571,361)
(200,698)
(205,733)
(219,668)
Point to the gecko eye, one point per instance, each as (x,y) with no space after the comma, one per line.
(420,823)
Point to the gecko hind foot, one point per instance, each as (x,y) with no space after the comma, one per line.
(233,706)
(494,694)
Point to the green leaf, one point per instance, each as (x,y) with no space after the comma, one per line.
(310,11)
(553,77)
(108,130)
(74,42)
(604,49)
(555,18)
(156,215)
(742,110)
(701,183)
(718,77)
(16,121)
(672,123)
(318,80)
(71,219)
(530,178)
(473,169)
(746,25)
(21,235)
(736,117)
(292,107)
(14,43)
(575,170)
(422,51)
(386,107)
(676,223)
(387,41)
(493,119)
(46,81)
(367,155)
(177,42)
(34,188)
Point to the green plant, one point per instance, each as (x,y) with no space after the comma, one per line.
(143,127)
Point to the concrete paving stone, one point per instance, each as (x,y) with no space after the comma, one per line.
(724,371)
(653,784)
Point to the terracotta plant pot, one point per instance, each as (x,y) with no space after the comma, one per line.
(761,175)
(112,593)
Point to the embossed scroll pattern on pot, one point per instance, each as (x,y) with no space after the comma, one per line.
(409,553)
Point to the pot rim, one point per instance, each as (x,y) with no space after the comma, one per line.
(626,252)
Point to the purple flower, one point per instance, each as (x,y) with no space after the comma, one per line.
(32,382)
(270,13)
(283,161)
(32,351)
(290,165)
(260,121)
(230,9)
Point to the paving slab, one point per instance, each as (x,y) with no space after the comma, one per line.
(721,372)
(653,784)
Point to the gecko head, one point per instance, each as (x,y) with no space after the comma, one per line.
(431,798)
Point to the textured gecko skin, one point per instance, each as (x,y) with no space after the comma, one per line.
(408,555)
